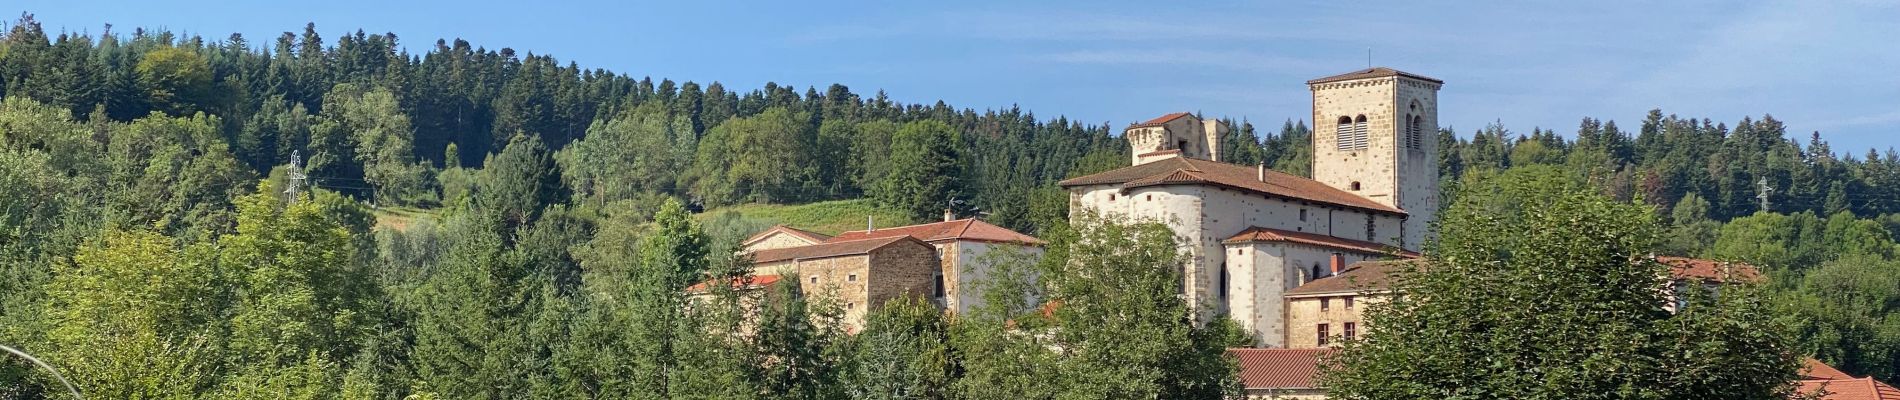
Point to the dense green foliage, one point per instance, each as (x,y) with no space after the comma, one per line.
(139,249)
(1539,288)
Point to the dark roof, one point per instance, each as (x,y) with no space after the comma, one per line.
(1259,234)
(1184,170)
(1280,368)
(814,237)
(1161,120)
(963,229)
(1363,276)
(740,283)
(1378,72)
(1684,268)
(826,250)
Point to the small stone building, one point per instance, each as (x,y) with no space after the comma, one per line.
(859,274)
(966,249)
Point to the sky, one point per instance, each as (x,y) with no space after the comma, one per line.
(1819,65)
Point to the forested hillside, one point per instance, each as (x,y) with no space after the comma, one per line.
(146,240)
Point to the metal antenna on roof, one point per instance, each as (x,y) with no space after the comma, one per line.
(1368,58)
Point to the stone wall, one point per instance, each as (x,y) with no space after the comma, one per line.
(1385,170)
(905,268)
(1203,216)
(1259,274)
(842,279)
(1304,316)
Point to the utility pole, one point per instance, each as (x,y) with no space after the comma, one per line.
(1761,192)
(295,177)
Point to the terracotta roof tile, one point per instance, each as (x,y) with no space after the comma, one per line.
(741,283)
(963,229)
(1849,389)
(1685,268)
(1378,72)
(1183,170)
(1161,120)
(1259,234)
(826,250)
(1363,276)
(1815,369)
(1280,368)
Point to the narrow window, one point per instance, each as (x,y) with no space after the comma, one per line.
(1323,334)
(1352,330)
(1223,283)
(1325,303)
(1348,301)
(1302,215)
(1372,229)
(1151,197)
(940,286)
(1111,197)
(1359,132)
(1316,273)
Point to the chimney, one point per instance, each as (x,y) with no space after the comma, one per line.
(1263,171)
(949,215)
(870,223)
(1339,262)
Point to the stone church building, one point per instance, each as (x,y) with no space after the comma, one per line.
(1255,235)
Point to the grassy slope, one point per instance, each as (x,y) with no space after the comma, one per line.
(399,218)
(827,217)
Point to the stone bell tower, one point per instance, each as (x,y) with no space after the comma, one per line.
(1375,134)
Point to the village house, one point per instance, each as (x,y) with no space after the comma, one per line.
(943,261)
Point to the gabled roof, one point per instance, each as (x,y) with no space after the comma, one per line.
(1815,369)
(1158,121)
(971,229)
(1280,368)
(1259,234)
(1377,72)
(1360,277)
(1849,389)
(810,236)
(1184,170)
(1684,268)
(1818,377)
(741,283)
(828,249)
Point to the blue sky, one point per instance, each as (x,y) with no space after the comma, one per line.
(1831,66)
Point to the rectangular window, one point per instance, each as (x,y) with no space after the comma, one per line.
(1351,330)
(814,279)
(1349,302)
(1372,229)
(940,286)
(1302,215)
(851,278)
(1325,303)
(1323,335)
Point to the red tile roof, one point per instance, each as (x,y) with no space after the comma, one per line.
(963,229)
(1685,268)
(836,248)
(1820,378)
(1280,368)
(740,283)
(1379,72)
(1363,276)
(1848,389)
(1815,369)
(1259,234)
(1161,120)
(1183,170)
(814,237)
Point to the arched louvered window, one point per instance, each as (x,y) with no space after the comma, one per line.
(1343,133)
(1352,133)
(1415,133)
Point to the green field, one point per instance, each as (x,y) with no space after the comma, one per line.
(400,218)
(827,217)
